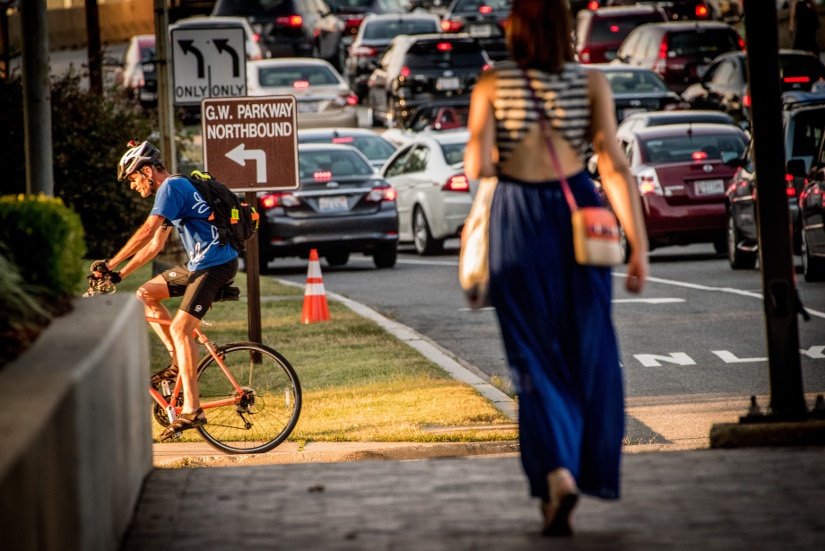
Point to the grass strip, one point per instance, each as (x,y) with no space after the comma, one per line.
(360,383)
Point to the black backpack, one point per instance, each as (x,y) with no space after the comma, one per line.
(235,219)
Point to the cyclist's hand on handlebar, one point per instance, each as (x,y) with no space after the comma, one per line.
(99,267)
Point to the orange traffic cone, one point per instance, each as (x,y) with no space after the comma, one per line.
(315,298)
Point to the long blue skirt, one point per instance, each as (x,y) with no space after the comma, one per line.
(555,319)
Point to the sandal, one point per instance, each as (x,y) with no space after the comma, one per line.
(168,372)
(184,421)
(563,498)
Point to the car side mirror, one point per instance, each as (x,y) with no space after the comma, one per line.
(731,159)
(796,167)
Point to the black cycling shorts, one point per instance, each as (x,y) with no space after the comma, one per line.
(199,288)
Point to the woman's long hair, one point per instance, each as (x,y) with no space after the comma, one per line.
(539,34)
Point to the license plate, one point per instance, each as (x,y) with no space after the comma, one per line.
(631,110)
(481,31)
(709,187)
(307,106)
(328,204)
(450,83)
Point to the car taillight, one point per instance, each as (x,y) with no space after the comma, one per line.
(405,71)
(459,182)
(797,80)
(648,182)
(285,200)
(343,139)
(485,9)
(301,84)
(451,26)
(256,37)
(444,47)
(701,11)
(699,156)
(379,194)
(790,190)
(289,21)
(351,25)
(363,51)
(746,100)
(741,43)
(593,5)
(322,176)
(349,99)
(584,55)
(660,65)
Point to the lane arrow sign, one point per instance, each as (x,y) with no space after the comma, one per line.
(222,45)
(187,48)
(240,155)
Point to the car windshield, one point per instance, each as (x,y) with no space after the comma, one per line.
(807,132)
(429,55)
(387,30)
(253,7)
(635,82)
(701,43)
(296,76)
(453,152)
(616,29)
(147,54)
(806,67)
(481,6)
(679,149)
(325,164)
(374,148)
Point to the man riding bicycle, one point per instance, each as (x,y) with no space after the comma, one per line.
(211,266)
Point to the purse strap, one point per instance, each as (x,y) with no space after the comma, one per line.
(564,185)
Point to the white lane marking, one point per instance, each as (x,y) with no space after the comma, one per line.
(730,290)
(648,300)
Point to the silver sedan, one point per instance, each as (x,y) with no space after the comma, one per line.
(434,196)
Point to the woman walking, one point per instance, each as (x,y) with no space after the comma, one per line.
(555,315)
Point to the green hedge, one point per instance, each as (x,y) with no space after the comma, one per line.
(44,238)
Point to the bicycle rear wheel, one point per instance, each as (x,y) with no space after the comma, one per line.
(264,413)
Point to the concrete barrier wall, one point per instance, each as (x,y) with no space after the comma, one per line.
(75,426)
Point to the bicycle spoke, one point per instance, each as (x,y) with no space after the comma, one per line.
(266,409)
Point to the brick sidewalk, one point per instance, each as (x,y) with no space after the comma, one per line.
(746,499)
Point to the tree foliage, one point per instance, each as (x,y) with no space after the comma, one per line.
(89,135)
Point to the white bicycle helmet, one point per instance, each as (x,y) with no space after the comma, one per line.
(137,156)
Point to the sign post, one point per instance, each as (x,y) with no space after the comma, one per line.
(251,145)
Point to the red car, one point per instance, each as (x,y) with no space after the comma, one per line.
(682,180)
(600,32)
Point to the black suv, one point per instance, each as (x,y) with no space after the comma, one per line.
(286,27)
(417,69)
(803,122)
(485,21)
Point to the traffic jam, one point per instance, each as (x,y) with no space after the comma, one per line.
(406,68)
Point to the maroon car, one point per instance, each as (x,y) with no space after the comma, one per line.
(600,32)
(682,180)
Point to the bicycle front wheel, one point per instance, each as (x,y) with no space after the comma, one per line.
(263,412)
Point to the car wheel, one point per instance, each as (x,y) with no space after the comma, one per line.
(813,267)
(625,246)
(337,258)
(423,238)
(385,256)
(738,259)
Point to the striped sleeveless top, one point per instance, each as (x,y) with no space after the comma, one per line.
(565,102)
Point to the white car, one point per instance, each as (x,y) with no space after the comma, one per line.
(323,98)
(434,196)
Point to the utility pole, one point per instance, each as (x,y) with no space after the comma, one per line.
(93,49)
(37,103)
(773,219)
(165,107)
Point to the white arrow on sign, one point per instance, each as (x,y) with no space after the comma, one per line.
(240,156)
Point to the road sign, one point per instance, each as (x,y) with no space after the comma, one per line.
(208,62)
(250,144)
